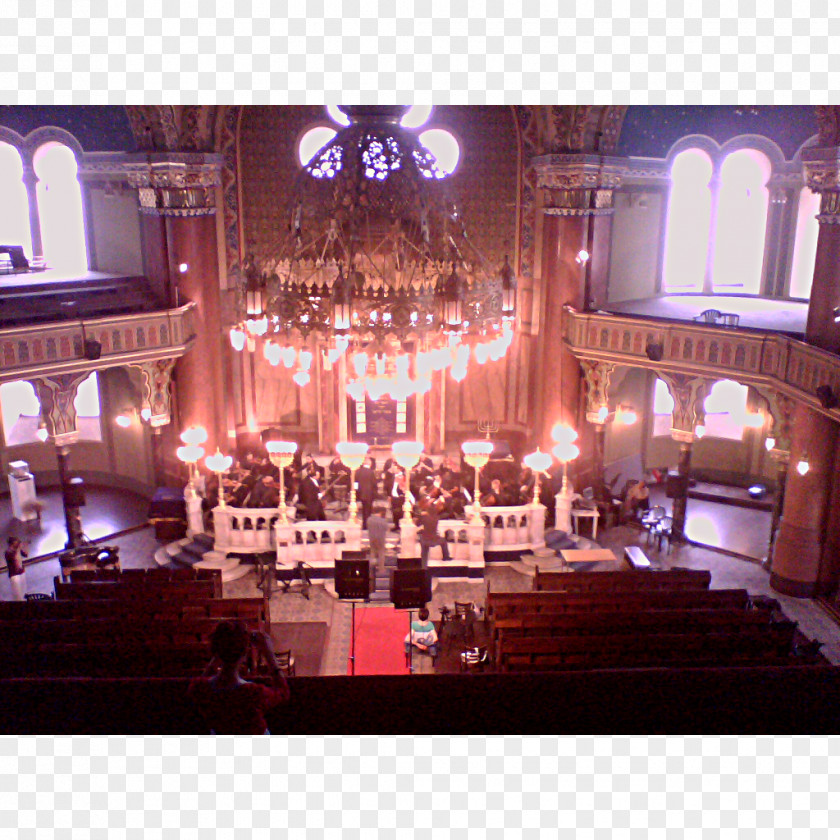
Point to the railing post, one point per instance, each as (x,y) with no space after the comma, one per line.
(408,538)
(536,525)
(221,528)
(195,520)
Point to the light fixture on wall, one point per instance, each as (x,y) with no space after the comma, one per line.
(376,259)
(803,465)
(699,430)
(770,444)
(582,257)
(625,415)
(123,421)
(42,434)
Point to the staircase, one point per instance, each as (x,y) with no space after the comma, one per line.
(198,553)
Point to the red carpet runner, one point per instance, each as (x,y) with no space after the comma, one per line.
(380,632)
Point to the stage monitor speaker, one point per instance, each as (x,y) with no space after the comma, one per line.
(654,351)
(362,554)
(352,579)
(411,589)
(826,396)
(74,492)
(93,349)
(409,563)
(676,485)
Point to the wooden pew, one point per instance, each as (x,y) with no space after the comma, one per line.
(140,576)
(771,644)
(511,604)
(674,580)
(147,590)
(156,609)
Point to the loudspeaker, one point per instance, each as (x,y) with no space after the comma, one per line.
(74,492)
(826,396)
(654,351)
(352,579)
(93,349)
(362,554)
(409,563)
(411,589)
(676,485)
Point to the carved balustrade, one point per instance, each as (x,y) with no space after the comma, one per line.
(59,347)
(792,367)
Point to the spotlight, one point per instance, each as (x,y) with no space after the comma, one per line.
(655,351)
(183,268)
(837,314)
(582,257)
(803,466)
(827,397)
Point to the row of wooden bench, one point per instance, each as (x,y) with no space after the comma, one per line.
(136,591)
(674,580)
(609,625)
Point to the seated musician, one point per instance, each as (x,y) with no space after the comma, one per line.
(493,496)
(339,476)
(424,470)
(397,496)
(637,498)
(310,463)
(389,472)
(264,494)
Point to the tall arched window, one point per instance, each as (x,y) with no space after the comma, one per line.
(21,412)
(805,244)
(14,208)
(741,223)
(689,222)
(60,208)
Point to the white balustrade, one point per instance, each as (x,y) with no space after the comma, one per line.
(245,530)
(319,543)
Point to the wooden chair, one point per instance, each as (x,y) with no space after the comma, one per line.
(285,662)
(459,622)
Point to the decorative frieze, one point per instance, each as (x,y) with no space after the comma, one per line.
(689,392)
(57,395)
(597,377)
(65,347)
(171,184)
(793,368)
(578,184)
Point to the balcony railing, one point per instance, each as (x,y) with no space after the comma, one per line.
(65,346)
(790,366)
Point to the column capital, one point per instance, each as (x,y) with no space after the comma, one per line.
(578,184)
(821,169)
(175,183)
(156,395)
(597,377)
(689,393)
(57,395)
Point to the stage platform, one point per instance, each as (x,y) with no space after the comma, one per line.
(754,313)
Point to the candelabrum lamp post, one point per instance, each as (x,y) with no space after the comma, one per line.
(281,453)
(352,455)
(477,454)
(538,462)
(219,464)
(407,454)
(189,455)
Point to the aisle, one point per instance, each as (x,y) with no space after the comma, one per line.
(380,632)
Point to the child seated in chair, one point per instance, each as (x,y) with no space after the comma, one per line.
(423,635)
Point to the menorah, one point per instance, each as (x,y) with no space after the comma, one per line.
(488,427)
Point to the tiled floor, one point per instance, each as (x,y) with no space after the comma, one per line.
(137,549)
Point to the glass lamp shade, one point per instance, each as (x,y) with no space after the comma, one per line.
(561,433)
(218,463)
(770,444)
(194,436)
(281,452)
(565,452)
(477,452)
(508,278)
(537,461)
(189,454)
(254,300)
(352,454)
(407,453)
(237,339)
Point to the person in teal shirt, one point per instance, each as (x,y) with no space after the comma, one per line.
(423,635)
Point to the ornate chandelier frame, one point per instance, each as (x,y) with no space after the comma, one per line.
(376,258)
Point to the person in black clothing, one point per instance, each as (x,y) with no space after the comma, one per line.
(309,496)
(367,484)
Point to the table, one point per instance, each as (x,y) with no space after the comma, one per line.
(586,513)
(586,555)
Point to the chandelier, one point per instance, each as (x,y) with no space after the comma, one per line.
(376,263)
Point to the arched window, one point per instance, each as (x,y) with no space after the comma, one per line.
(60,208)
(741,223)
(737,201)
(805,244)
(14,208)
(663,407)
(87,409)
(689,222)
(726,411)
(21,411)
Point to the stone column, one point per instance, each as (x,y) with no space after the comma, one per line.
(577,188)
(156,407)
(822,166)
(782,460)
(597,377)
(177,204)
(57,395)
(689,393)
(30,181)
(800,539)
